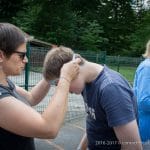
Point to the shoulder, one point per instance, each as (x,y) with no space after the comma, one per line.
(117,93)
(119,104)
(4,92)
(144,65)
(115,90)
(111,77)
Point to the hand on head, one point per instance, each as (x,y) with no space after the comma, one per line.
(70,70)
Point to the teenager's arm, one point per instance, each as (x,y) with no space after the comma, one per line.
(128,136)
(83,143)
(37,93)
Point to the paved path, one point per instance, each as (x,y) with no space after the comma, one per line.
(67,139)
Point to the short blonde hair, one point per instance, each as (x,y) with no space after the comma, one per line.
(55,59)
(147,51)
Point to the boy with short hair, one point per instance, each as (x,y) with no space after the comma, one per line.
(109,101)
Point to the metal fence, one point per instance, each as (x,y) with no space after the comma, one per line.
(33,75)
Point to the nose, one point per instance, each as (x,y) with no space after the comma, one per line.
(25,60)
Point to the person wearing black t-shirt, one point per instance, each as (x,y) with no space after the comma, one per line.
(19,122)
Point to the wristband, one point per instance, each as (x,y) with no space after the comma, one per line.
(65,79)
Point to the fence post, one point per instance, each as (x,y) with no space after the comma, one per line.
(27,67)
(97,57)
(102,57)
(118,63)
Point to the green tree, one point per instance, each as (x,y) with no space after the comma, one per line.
(85,24)
(91,38)
(9,9)
(55,22)
(118,20)
(116,17)
(26,18)
(140,37)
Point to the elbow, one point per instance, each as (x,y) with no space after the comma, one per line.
(49,129)
(51,133)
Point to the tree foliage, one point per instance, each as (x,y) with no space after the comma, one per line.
(92,38)
(140,37)
(119,27)
(8,9)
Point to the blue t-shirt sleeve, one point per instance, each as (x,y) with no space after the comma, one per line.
(143,88)
(118,105)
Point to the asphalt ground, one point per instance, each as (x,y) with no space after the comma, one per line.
(68,137)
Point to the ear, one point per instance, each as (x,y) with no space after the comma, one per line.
(1,56)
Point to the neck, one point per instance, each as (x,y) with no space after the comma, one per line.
(3,78)
(91,71)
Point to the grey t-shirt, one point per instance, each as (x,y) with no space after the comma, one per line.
(9,140)
(10,90)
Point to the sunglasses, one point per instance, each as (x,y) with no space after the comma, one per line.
(22,55)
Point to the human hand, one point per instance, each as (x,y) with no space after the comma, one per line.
(70,70)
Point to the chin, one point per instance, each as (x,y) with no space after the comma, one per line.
(18,73)
(15,74)
(78,93)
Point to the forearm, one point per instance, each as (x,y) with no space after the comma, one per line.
(55,112)
(128,136)
(131,146)
(83,143)
(39,91)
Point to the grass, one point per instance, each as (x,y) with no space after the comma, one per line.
(126,71)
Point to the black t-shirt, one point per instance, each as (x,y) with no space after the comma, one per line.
(9,140)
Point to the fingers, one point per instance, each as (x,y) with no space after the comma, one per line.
(76,60)
(76,64)
(71,69)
